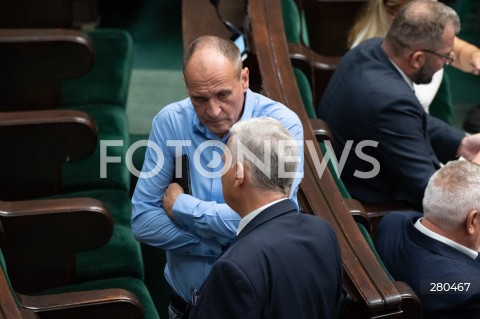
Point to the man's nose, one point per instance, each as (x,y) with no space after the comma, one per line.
(214,108)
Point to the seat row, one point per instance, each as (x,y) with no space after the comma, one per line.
(65,204)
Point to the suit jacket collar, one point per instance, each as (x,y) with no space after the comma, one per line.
(278,209)
(435,246)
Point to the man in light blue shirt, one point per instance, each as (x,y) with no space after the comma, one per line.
(194,229)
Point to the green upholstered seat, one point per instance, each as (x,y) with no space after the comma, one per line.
(332,167)
(306,92)
(291,21)
(369,241)
(102,93)
(122,255)
(307,98)
(294,23)
(112,125)
(132,284)
(109,79)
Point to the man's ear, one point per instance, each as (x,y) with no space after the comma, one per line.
(418,59)
(472,222)
(244,77)
(239,173)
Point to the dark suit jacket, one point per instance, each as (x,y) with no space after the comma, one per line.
(368,99)
(419,260)
(283,264)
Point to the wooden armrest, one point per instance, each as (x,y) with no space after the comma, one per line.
(107,303)
(35,61)
(318,68)
(375,212)
(299,53)
(37,143)
(49,53)
(40,238)
(411,305)
(358,212)
(321,130)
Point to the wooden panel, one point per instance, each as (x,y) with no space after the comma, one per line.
(199,18)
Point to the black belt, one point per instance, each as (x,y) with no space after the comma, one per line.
(180,306)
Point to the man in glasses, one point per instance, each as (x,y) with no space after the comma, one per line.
(371,98)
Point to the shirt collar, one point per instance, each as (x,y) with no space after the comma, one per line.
(404,76)
(248,218)
(427,232)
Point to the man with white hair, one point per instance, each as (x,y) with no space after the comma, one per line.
(437,253)
(283,264)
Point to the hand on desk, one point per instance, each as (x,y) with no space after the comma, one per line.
(171,194)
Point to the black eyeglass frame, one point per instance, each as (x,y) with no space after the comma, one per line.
(448,57)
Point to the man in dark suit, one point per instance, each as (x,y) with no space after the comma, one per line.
(370,102)
(282,264)
(437,255)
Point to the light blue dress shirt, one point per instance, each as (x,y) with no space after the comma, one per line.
(202,223)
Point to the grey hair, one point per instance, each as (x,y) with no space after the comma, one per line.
(452,192)
(255,135)
(224,46)
(419,25)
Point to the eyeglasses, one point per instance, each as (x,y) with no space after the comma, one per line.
(450,57)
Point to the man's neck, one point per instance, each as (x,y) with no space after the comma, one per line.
(257,200)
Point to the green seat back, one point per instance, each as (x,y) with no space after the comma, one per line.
(367,237)
(305,92)
(109,79)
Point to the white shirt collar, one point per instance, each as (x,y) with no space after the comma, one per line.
(248,218)
(404,76)
(470,252)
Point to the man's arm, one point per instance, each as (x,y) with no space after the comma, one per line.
(218,220)
(404,148)
(150,223)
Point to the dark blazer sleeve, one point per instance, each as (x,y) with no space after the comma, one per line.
(237,299)
(404,147)
(445,139)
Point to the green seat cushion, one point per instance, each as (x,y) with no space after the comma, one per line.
(306,92)
(291,21)
(332,167)
(109,79)
(112,125)
(441,106)
(368,238)
(122,255)
(133,285)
